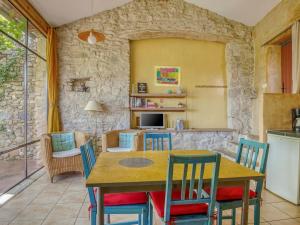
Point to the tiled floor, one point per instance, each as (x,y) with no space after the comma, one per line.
(66,203)
(12,171)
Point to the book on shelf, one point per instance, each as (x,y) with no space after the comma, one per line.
(137,102)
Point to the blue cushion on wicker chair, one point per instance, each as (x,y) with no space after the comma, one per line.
(63,141)
(126,140)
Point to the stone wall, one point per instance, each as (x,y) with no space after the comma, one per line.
(201,140)
(107,64)
(12,112)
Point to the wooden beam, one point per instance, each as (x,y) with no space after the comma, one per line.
(32,14)
(280,38)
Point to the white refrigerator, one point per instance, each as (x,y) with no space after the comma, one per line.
(283,172)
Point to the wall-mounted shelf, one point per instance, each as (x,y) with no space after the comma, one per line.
(78,84)
(211,86)
(147,95)
(164,109)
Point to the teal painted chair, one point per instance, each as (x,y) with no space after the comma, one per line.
(230,198)
(123,203)
(157,140)
(185,205)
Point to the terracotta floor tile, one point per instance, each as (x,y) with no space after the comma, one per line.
(82,221)
(35,211)
(285,222)
(4,222)
(59,221)
(69,210)
(27,222)
(74,186)
(47,197)
(17,203)
(8,214)
(268,197)
(84,213)
(270,213)
(288,208)
(58,188)
(72,197)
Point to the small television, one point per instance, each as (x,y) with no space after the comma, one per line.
(152,120)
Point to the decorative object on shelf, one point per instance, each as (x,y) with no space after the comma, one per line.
(180,105)
(142,87)
(151,104)
(78,85)
(167,75)
(93,106)
(91,36)
(179,90)
(179,124)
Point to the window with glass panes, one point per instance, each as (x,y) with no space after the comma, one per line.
(23,96)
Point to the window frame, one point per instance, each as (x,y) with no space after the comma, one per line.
(28,51)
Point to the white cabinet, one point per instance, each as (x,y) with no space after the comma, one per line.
(283,167)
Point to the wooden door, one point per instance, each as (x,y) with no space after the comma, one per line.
(286,67)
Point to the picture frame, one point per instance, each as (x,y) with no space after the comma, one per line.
(167,75)
(142,87)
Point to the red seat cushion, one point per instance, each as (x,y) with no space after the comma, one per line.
(158,199)
(231,193)
(125,199)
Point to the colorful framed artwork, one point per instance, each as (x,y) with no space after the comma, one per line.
(167,76)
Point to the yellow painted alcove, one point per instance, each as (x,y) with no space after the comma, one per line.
(201,62)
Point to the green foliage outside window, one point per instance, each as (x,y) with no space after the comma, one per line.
(11,55)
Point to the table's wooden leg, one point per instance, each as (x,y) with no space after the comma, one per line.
(100,207)
(245,207)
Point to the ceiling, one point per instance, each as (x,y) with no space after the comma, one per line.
(59,12)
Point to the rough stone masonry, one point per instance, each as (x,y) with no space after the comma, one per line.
(107,63)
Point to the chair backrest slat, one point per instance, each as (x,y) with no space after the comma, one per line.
(200,181)
(88,161)
(190,164)
(183,183)
(157,140)
(250,157)
(258,151)
(246,156)
(255,158)
(192,181)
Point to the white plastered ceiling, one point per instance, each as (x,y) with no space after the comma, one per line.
(59,12)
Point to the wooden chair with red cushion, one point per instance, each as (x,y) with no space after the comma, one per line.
(119,203)
(230,198)
(185,205)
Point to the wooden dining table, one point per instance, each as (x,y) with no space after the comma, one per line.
(147,170)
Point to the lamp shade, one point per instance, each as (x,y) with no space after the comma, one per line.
(93,106)
(92,37)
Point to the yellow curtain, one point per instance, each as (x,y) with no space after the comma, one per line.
(53,113)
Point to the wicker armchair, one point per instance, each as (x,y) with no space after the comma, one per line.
(55,166)
(110,139)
